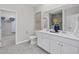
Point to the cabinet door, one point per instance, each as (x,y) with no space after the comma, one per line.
(55,47)
(43,42)
(69,49)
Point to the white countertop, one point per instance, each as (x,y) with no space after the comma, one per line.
(66,35)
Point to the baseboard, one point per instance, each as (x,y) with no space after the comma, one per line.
(22,42)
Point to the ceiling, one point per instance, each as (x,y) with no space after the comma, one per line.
(34,5)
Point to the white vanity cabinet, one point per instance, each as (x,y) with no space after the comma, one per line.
(57,44)
(43,41)
(59,47)
(69,49)
(55,47)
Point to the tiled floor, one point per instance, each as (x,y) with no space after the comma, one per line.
(8,40)
(9,47)
(24,48)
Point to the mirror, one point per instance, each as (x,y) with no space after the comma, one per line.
(50,17)
(68,19)
(71,18)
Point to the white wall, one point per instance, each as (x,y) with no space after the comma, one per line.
(46,7)
(7,14)
(24,20)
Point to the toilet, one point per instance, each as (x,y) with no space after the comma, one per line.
(33,39)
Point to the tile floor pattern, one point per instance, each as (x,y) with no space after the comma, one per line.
(9,47)
(8,40)
(24,48)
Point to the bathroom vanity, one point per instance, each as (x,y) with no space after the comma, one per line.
(65,42)
(58,43)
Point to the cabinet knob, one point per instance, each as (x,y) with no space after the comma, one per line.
(59,43)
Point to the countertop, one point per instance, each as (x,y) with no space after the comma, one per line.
(66,35)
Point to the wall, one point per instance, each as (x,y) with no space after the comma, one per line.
(24,20)
(46,7)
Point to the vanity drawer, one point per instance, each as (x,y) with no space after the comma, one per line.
(72,42)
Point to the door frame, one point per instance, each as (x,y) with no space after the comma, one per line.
(15,20)
(40,20)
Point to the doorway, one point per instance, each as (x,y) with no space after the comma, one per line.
(8,27)
(38,21)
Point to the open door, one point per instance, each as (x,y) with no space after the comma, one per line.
(38,21)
